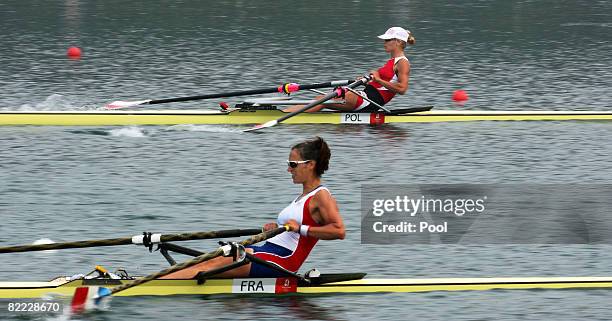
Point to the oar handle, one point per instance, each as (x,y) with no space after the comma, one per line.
(335,83)
(138,239)
(204,257)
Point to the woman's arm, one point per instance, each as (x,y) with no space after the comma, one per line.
(332,225)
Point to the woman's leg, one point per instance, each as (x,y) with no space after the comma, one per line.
(191,272)
(350,102)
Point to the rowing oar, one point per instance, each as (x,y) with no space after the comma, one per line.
(285,88)
(145,239)
(83,298)
(335,93)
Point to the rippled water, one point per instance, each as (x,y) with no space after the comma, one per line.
(73,183)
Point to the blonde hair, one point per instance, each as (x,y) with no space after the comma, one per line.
(411,41)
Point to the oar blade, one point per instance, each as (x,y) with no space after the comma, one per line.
(126,104)
(262,126)
(89,298)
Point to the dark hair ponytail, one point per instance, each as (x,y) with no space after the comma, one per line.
(315,149)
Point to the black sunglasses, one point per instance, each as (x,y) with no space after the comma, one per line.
(294,164)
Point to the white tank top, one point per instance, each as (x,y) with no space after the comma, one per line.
(296,211)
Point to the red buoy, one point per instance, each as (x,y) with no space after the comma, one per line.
(460,95)
(74,52)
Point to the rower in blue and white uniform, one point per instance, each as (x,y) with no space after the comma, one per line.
(289,250)
(311,217)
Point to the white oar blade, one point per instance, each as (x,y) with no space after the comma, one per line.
(88,298)
(125,104)
(261,126)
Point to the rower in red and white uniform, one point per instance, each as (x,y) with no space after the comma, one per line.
(387,81)
(311,217)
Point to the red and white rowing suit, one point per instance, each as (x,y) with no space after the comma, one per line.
(377,92)
(299,246)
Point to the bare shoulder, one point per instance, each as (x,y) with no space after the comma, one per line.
(324,199)
(403,63)
(324,196)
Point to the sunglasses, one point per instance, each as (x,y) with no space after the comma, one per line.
(294,164)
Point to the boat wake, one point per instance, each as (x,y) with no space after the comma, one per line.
(132,131)
(205,128)
(52,102)
(139,132)
(136,132)
(45,241)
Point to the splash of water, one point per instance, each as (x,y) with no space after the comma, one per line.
(128,132)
